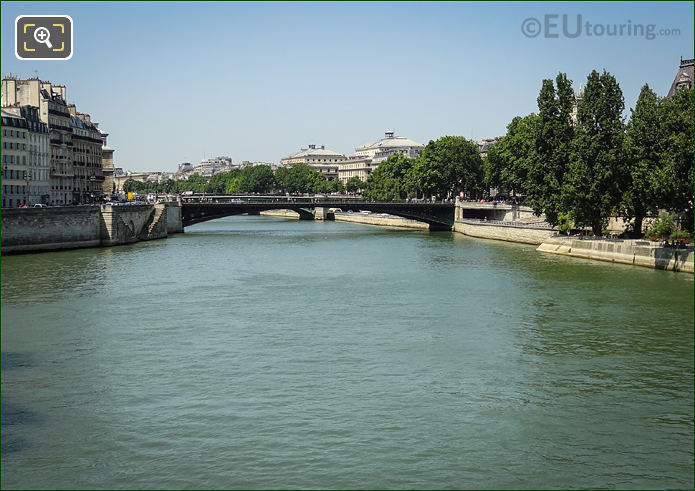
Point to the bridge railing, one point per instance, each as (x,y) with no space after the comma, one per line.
(305,200)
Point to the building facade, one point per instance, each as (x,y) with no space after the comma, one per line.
(210,167)
(25,157)
(62,120)
(484,144)
(39,162)
(108,186)
(88,177)
(369,156)
(382,149)
(322,159)
(15,154)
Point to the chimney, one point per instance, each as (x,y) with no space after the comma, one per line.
(312,147)
(322,147)
(389,134)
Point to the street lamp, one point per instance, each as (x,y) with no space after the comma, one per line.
(27,180)
(92,179)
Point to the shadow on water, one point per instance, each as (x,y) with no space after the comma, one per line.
(10,361)
(12,416)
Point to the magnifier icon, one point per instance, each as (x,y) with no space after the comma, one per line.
(43,35)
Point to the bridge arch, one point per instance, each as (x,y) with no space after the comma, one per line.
(439,216)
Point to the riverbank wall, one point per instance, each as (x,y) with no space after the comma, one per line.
(380,220)
(71,227)
(522,232)
(391,221)
(281,213)
(634,252)
(507,222)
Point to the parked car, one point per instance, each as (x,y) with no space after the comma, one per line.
(39,205)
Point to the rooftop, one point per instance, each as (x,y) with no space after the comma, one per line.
(684,76)
(390,141)
(319,152)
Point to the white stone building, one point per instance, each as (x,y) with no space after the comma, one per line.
(210,167)
(34,175)
(381,149)
(369,156)
(15,155)
(322,159)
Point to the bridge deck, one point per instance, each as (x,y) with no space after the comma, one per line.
(437,215)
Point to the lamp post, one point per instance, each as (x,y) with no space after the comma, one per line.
(27,179)
(92,179)
(4,176)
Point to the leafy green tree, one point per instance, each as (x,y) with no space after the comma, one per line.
(553,140)
(449,164)
(336,186)
(596,178)
(662,226)
(258,179)
(300,178)
(676,162)
(508,160)
(354,184)
(390,180)
(129,185)
(282,178)
(643,152)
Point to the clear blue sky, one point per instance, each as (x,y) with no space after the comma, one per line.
(176,81)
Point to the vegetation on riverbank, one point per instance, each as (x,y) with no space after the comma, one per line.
(586,171)
(578,164)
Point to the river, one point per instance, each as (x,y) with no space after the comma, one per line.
(260,352)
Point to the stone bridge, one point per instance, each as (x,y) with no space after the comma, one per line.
(439,216)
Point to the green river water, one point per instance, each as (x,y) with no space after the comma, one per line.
(259,352)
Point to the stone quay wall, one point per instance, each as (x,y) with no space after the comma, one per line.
(382,221)
(525,233)
(65,227)
(71,227)
(635,252)
(174,221)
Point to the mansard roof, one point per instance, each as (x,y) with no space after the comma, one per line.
(684,77)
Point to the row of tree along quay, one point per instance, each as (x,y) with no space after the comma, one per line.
(581,173)
(578,169)
(445,167)
(258,179)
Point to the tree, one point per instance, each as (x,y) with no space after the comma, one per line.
(390,180)
(595,179)
(129,185)
(449,164)
(676,162)
(553,141)
(642,152)
(300,178)
(336,186)
(258,179)
(354,184)
(508,160)
(282,178)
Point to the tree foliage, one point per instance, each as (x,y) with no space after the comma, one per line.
(596,175)
(676,162)
(509,159)
(643,151)
(549,162)
(391,180)
(448,165)
(354,184)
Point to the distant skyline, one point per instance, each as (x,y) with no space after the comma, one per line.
(175,82)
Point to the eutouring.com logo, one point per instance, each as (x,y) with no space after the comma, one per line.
(573,26)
